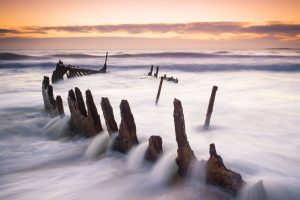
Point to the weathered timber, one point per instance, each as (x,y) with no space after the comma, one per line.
(92,111)
(52,106)
(80,102)
(151,71)
(186,155)
(154,149)
(156,73)
(89,124)
(127,132)
(171,78)
(60,106)
(108,114)
(210,107)
(218,175)
(72,71)
(159,90)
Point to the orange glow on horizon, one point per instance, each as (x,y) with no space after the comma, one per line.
(227,20)
(18,13)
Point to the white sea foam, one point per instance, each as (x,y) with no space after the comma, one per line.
(255,126)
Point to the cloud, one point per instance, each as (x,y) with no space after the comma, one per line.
(268,29)
(5,31)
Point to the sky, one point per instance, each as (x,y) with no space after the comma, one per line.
(149,24)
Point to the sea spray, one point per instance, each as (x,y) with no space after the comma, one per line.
(165,169)
(98,145)
(135,156)
(57,127)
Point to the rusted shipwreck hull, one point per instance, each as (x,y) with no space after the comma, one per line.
(72,71)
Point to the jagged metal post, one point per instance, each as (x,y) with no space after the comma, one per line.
(159,89)
(210,107)
(156,73)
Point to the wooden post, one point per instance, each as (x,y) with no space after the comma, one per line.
(154,149)
(92,111)
(108,114)
(185,154)
(106,58)
(159,89)
(218,175)
(156,73)
(80,102)
(127,132)
(151,70)
(210,107)
(60,106)
(104,66)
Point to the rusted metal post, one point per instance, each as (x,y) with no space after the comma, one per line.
(159,89)
(156,73)
(210,107)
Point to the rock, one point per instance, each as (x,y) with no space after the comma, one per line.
(108,114)
(185,153)
(89,125)
(127,132)
(218,175)
(154,149)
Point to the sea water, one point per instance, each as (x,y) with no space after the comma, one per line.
(254,125)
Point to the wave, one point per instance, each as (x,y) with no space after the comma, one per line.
(13,56)
(75,55)
(219,67)
(216,54)
(282,67)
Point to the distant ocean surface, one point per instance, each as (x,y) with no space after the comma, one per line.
(231,60)
(255,124)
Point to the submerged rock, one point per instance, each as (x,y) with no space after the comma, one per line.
(218,175)
(185,153)
(127,132)
(154,149)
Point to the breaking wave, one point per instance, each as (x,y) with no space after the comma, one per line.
(216,54)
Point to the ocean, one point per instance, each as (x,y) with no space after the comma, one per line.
(254,125)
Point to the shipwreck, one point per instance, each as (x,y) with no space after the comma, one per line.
(71,71)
